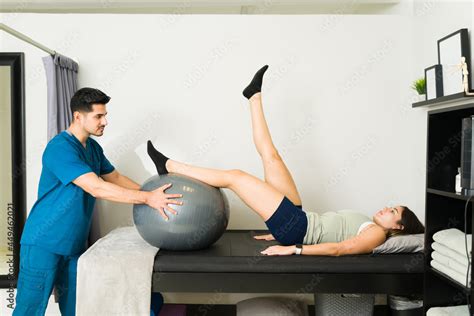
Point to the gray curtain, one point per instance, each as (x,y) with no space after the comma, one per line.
(61,77)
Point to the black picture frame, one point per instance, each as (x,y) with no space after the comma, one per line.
(458,41)
(16,62)
(434,79)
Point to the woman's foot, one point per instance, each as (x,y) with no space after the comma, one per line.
(255,85)
(158,158)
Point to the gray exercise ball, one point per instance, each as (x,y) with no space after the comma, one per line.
(200,222)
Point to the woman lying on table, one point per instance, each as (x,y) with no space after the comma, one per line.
(278,202)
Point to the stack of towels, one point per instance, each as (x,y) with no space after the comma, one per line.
(461,310)
(449,254)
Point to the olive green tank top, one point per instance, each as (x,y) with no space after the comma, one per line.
(333,226)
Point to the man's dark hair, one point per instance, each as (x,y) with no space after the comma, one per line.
(84,98)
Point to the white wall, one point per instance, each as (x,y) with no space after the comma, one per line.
(433,21)
(212,7)
(337,99)
(329,95)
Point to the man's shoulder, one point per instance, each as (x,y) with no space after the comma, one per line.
(59,143)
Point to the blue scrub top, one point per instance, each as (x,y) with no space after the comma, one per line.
(60,219)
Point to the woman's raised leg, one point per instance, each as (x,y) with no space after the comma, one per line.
(275,171)
(258,195)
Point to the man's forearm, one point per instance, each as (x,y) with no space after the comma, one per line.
(127,183)
(116,193)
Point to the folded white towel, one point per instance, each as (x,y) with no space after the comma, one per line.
(448,311)
(451,263)
(459,277)
(114,275)
(454,239)
(442,249)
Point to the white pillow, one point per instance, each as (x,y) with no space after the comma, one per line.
(402,243)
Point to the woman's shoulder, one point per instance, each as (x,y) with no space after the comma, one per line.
(373,229)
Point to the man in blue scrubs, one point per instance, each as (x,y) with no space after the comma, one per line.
(75,172)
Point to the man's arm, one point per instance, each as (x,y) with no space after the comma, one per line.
(117,178)
(101,189)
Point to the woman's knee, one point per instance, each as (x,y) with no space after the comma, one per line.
(235,175)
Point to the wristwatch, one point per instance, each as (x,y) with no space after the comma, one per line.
(298,249)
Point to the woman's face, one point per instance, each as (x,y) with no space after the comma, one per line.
(388,217)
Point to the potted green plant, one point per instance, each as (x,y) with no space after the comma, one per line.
(419,85)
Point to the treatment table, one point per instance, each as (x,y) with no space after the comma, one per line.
(234,265)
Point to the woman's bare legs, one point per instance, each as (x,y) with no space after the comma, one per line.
(275,171)
(260,196)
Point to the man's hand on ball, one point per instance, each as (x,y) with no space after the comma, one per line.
(160,200)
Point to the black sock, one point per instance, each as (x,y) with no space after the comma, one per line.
(255,85)
(158,158)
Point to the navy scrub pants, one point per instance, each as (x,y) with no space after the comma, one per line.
(40,270)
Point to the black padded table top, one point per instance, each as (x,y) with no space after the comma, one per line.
(236,252)
(234,265)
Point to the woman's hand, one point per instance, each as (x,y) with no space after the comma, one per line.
(279,251)
(268,237)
